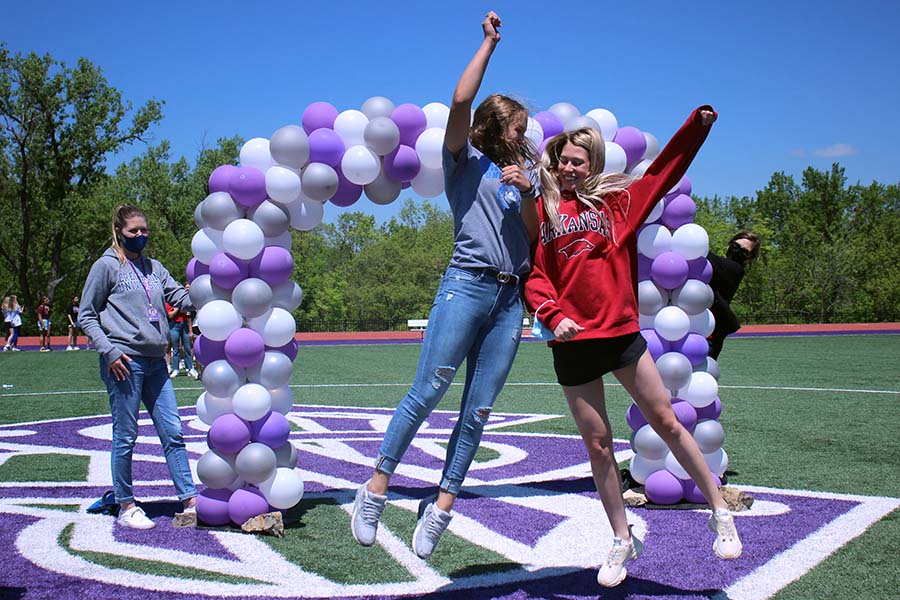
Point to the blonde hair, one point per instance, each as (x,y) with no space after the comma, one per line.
(122,213)
(5,305)
(597,184)
(488,132)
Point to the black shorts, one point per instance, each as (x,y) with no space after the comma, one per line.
(579,362)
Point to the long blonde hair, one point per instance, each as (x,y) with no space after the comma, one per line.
(488,132)
(122,213)
(5,305)
(597,185)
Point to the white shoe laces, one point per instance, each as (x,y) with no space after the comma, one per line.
(725,527)
(371,510)
(619,553)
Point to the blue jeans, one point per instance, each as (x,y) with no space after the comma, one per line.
(148,383)
(476,318)
(180,334)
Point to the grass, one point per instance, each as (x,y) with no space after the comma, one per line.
(799,412)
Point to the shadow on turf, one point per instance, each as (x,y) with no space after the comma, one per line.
(12,593)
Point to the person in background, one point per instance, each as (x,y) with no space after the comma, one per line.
(123,313)
(181,337)
(43,320)
(72,317)
(727,273)
(7,326)
(12,317)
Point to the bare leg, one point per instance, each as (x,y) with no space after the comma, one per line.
(588,406)
(642,381)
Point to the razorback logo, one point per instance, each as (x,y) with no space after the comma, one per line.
(573,249)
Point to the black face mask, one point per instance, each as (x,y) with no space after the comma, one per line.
(737,253)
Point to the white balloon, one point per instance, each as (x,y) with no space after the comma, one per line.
(210,407)
(690,241)
(648,444)
(641,467)
(701,390)
(306,214)
(703,323)
(646,321)
(277,327)
(282,399)
(282,184)
(653,240)
(709,435)
(350,125)
(534,132)
(360,165)
(206,243)
(652,146)
(717,461)
(657,212)
(283,241)
(651,297)
(436,114)
(675,468)
(609,125)
(640,168)
(251,401)
(218,319)
(429,146)
(255,153)
(671,323)
(284,489)
(616,161)
(243,239)
(429,183)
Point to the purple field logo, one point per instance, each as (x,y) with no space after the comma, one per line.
(528,498)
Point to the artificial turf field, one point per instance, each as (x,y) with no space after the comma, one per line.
(817,413)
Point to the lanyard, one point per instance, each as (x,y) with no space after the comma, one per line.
(144,283)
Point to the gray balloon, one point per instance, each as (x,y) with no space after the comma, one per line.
(272,372)
(582,121)
(272,218)
(221,379)
(252,297)
(215,470)
(675,370)
(709,366)
(198,216)
(218,210)
(565,112)
(203,290)
(693,297)
(255,462)
(319,181)
(381,135)
(286,455)
(287,295)
(289,146)
(383,190)
(377,106)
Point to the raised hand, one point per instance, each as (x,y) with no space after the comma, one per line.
(491,26)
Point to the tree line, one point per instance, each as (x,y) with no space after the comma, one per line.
(829,250)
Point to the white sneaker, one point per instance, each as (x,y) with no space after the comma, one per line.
(612,572)
(728,544)
(367,509)
(135,518)
(193,374)
(432,523)
(69,348)
(75,348)
(43,349)
(6,348)
(173,373)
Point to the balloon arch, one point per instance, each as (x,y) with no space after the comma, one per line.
(241,271)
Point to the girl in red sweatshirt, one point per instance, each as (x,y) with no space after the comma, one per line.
(582,287)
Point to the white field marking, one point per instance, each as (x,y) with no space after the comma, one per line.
(9,433)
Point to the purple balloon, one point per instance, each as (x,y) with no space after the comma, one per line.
(684,186)
(686,414)
(633,143)
(678,211)
(402,164)
(248,186)
(635,417)
(194,269)
(207,350)
(692,493)
(550,123)
(272,430)
(220,178)
(656,345)
(411,121)
(347,192)
(227,271)
(710,411)
(669,270)
(694,346)
(663,488)
(701,269)
(326,146)
(289,349)
(318,115)
(273,265)
(643,267)
(212,506)
(245,504)
(228,433)
(245,348)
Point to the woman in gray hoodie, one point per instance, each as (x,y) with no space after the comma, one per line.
(123,313)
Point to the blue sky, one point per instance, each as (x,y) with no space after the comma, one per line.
(796,84)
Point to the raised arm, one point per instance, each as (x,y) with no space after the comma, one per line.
(461,106)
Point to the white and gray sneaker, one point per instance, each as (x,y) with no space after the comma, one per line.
(432,523)
(612,572)
(135,518)
(728,544)
(367,509)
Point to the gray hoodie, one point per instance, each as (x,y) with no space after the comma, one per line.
(114,306)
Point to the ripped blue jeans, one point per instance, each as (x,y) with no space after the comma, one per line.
(474,318)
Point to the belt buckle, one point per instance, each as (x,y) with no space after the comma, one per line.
(504,277)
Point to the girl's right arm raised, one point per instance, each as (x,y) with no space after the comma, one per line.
(460,108)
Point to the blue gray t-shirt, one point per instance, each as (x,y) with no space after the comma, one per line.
(487,226)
